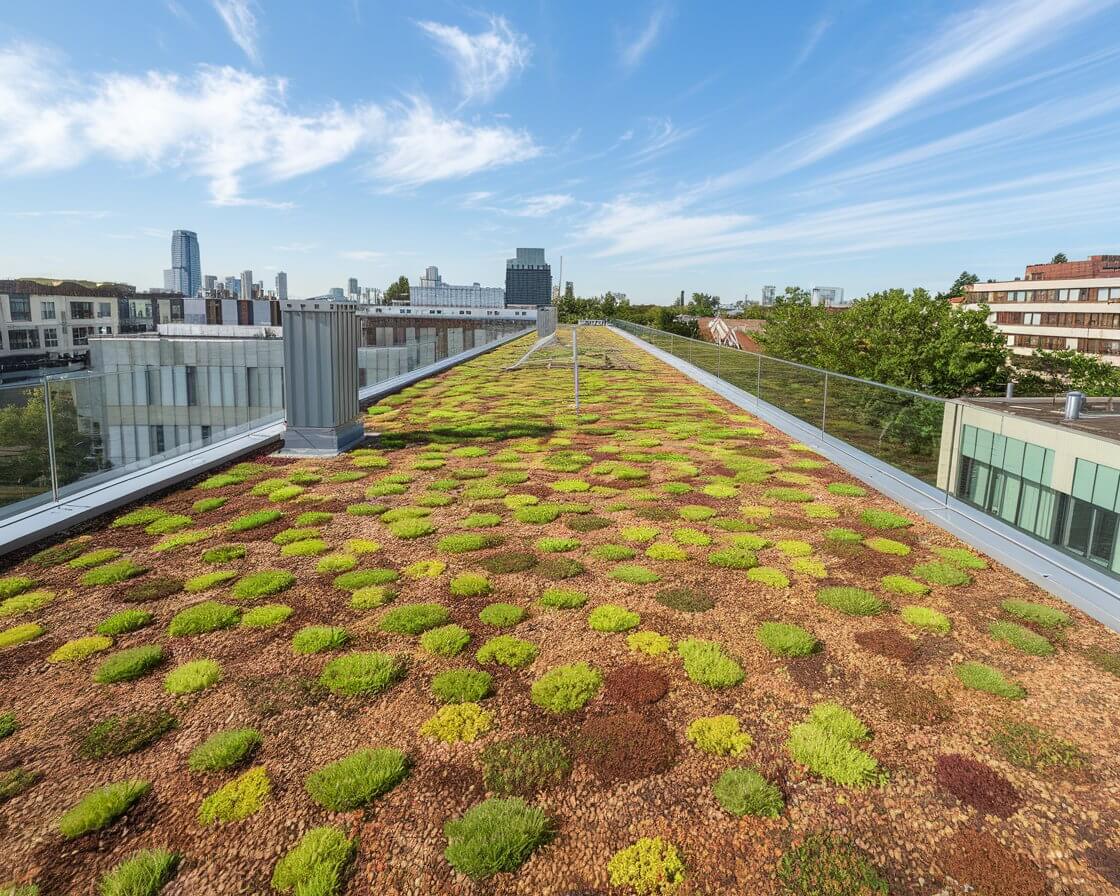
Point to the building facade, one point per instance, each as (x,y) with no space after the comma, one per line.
(1094,266)
(827,296)
(186,264)
(433,292)
(528,279)
(246,285)
(282,286)
(1082,314)
(769,295)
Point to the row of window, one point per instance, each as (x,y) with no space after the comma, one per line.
(19,308)
(1060,319)
(1083,294)
(1060,343)
(30,339)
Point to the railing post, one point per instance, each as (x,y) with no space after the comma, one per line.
(824,404)
(758,381)
(575,362)
(51,460)
(719,369)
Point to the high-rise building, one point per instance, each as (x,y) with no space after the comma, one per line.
(209,282)
(233,286)
(769,295)
(246,285)
(528,279)
(169,280)
(282,286)
(352,286)
(186,267)
(828,296)
(433,292)
(336,293)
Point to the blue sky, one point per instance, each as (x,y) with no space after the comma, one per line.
(658,146)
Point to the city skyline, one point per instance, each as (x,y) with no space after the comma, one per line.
(866,148)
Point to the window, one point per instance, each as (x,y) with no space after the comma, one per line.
(81,310)
(46,310)
(104,309)
(50,338)
(20,307)
(23,339)
(80,335)
(192,386)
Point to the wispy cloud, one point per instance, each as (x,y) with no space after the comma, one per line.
(297,247)
(241,22)
(634,48)
(423,146)
(663,135)
(816,32)
(86,214)
(361,254)
(543,205)
(51,121)
(485,62)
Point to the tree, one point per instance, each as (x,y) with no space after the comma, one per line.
(569,291)
(703,305)
(958,287)
(1048,372)
(1060,258)
(398,290)
(796,294)
(23,442)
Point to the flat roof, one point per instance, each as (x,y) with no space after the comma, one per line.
(1068,283)
(1096,419)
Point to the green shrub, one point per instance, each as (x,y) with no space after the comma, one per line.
(792,547)
(267,487)
(253,520)
(101,807)
(926,618)
(191,677)
(980,677)
(612,618)
(56,554)
(904,585)
(414,618)
(844,490)
(371,597)
(286,493)
(884,519)
(364,578)
(224,750)
(262,584)
(788,495)
(209,580)
(783,639)
(523,765)
(317,865)
(367,510)
(940,573)
(559,568)
(112,573)
(639,534)
(888,546)
(8,724)
(462,686)
(222,554)
(425,569)
(317,517)
(837,720)
(965,559)
(357,779)
(80,649)
(14,782)
(466,542)
(409,529)
(90,559)
(853,601)
(335,563)
(494,836)
(305,547)
(718,735)
(182,539)
(240,798)
(205,505)
(634,575)
(1039,614)
(508,651)
(666,551)
(685,599)
(566,688)
(768,576)
(121,735)
(1021,638)
(153,588)
(168,524)
(743,791)
(832,756)
(17,634)
(481,521)
(447,640)
(847,536)
(458,723)
(27,602)
(128,665)
(612,552)
(705,663)
(508,562)
(556,545)
(825,866)
(207,616)
(562,598)
(356,674)
(142,516)
(144,873)
(587,523)
(501,615)
(266,615)
(319,639)
(650,867)
(1029,747)
(733,558)
(649,643)
(470,584)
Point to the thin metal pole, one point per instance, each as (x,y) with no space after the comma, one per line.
(575,362)
(758,383)
(824,404)
(719,369)
(50,440)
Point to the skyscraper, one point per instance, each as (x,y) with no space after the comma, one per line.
(209,282)
(246,284)
(282,286)
(528,279)
(233,286)
(352,286)
(186,267)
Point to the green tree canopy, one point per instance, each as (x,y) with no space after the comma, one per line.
(958,287)
(1060,258)
(1049,372)
(399,289)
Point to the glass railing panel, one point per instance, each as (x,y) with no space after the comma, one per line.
(25,475)
(797,390)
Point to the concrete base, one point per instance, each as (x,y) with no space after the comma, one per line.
(310,441)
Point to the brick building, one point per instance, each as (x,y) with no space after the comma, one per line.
(1093,266)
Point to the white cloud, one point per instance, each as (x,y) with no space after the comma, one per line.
(634,50)
(820,26)
(542,205)
(421,146)
(361,255)
(628,226)
(662,136)
(90,215)
(241,22)
(231,127)
(485,62)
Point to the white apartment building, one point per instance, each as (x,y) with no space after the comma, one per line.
(1082,314)
(433,292)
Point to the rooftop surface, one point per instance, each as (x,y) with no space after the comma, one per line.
(627,561)
(1100,417)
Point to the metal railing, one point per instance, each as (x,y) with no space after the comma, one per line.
(902,429)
